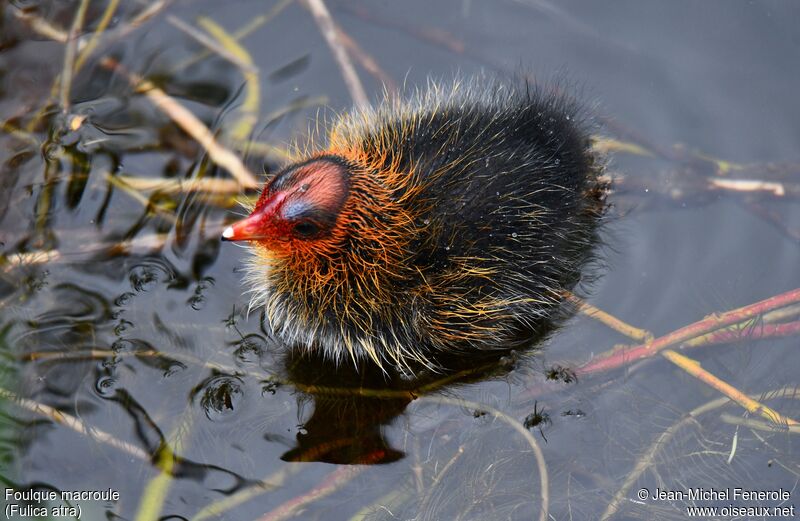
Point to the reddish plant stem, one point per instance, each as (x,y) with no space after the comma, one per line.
(625,356)
(333,481)
(755,331)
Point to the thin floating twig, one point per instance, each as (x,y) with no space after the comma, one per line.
(190,124)
(143,244)
(610,320)
(544,480)
(604,145)
(20,134)
(694,368)
(41,26)
(749,185)
(396,496)
(99,354)
(758,424)
(251,26)
(252,87)
(71,422)
(328,29)
(144,201)
(332,482)
(69,54)
(210,43)
(174,186)
(622,356)
(87,49)
(16,260)
(83,354)
(780,314)
(366,60)
(404,394)
(271,482)
(426,499)
(722,166)
(157,489)
(149,11)
(750,332)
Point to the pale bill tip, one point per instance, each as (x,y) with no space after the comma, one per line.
(228,233)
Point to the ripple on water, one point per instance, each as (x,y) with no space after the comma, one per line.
(150,272)
(122,326)
(148,355)
(198,300)
(249,349)
(124,299)
(106,386)
(219,396)
(76,303)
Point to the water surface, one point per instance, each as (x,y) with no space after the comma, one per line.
(120,307)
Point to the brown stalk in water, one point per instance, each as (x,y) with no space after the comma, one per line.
(190,124)
(332,482)
(328,29)
(626,355)
(695,369)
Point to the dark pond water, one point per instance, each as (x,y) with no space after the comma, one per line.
(120,308)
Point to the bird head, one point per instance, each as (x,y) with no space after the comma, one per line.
(298,208)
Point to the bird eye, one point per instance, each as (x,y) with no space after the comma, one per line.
(306,229)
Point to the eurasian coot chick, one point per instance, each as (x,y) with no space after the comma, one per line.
(451,222)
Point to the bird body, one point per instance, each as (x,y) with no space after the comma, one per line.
(450,222)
